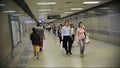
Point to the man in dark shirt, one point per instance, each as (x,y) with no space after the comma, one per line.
(40,31)
(34,37)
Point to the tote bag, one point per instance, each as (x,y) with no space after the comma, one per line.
(87,40)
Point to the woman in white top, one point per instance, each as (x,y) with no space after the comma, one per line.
(72,32)
(67,37)
(81,39)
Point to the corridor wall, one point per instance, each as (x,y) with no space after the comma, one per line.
(5,38)
(102,22)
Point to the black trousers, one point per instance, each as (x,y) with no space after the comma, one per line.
(73,36)
(60,38)
(67,39)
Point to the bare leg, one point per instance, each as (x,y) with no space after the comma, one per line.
(37,55)
(34,53)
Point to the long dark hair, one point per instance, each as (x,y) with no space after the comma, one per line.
(79,24)
(71,25)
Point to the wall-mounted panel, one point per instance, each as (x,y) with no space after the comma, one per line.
(5,38)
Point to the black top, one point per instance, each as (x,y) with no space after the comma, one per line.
(35,38)
(59,32)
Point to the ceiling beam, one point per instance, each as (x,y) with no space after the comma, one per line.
(25,8)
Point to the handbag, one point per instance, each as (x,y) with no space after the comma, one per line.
(87,41)
(41,43)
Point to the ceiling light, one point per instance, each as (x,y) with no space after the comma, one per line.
(91,11)
(2,4)
(46,3)
(17,14)
(60,9)
(76,8)
(111,11)
(10,11)
(99,13)
(68,12)
(83,14)
(91,2)
(44,10)
(43,13)
(104,8)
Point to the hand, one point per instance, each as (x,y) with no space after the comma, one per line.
(72,38)
(78,42)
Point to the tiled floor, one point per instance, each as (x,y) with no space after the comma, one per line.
(97,54)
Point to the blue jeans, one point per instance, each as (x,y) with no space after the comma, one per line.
(82,46)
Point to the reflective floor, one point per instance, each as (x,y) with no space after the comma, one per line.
(97,54)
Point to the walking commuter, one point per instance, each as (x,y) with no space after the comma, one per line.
(34,37)
(54,29)
(72,32)
(59,33)
(48,27)
(81,39)
(66,37)
(40,31)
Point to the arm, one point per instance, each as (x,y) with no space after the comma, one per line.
(62,33)
(43,35)
(77,35)
(30,37)
(71,34)
(58,33)
(85,33)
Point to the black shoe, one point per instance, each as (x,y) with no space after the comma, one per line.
(67,52)
(41,49)
(37,57)
(70,53)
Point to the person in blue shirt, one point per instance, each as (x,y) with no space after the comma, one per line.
(67,37)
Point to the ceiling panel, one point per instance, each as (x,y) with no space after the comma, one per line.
(59,8)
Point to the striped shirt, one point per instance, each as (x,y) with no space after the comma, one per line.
(66,31)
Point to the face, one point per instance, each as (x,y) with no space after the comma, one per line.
(66,23)
(81,25)
(60,27)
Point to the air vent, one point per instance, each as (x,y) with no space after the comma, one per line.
(69,2)
(60,9)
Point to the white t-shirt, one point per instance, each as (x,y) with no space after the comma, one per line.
(72,31)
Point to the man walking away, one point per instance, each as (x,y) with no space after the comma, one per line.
(40,31)
(34,37)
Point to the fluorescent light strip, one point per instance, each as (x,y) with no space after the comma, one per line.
(17,14)
(104,8)
(46,3)
(99,13)
(10,11)
(44,10)
(91,2)
(83,14)
(91,11)
(2,4)
(68,12)
(43,13)
(76,8)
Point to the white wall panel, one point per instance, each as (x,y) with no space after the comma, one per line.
(114,22)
